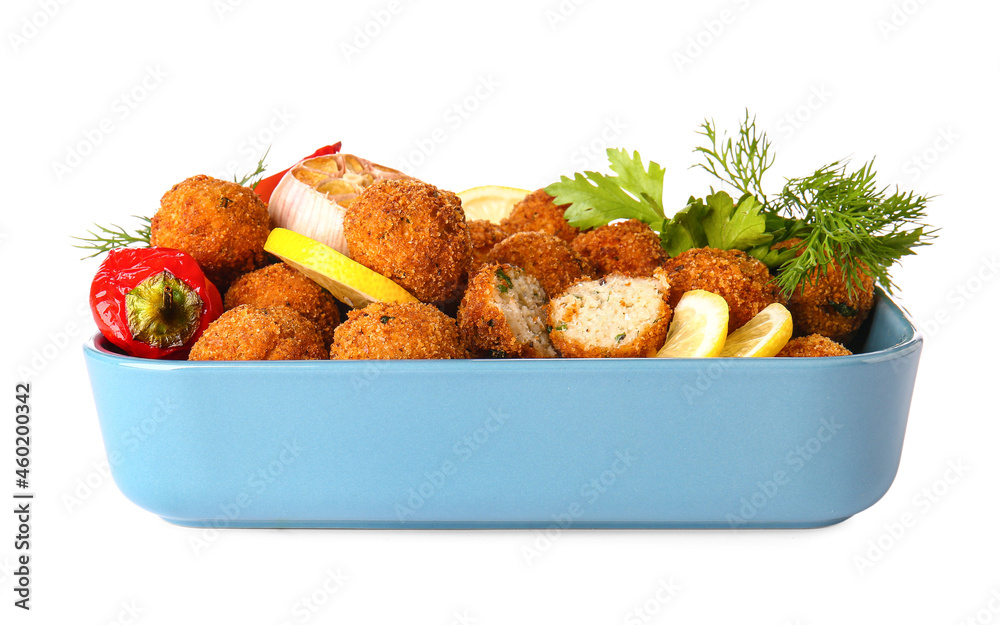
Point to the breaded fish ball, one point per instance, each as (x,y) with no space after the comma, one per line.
(250,333)
(503,314)
(545,256)
(612,317)
(414,234)
(484,235)
(814,345)
(630,248)
(391,331)
(280,284)
(223,225)
(822,305)
(537,212)
(742,280)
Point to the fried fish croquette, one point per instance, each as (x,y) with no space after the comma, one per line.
(538,212)
(629,248)
(484,235)
(414,234)
(280,284)
(545,256)
(391,331)
(250,333)
(822,304)
(223,225)
(612,317)
(814,345)
(743,281)
(503,314)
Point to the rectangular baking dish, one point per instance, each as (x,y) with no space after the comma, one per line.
(588,443)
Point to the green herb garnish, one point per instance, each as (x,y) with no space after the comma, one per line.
(251,179)
(506,283)
(841,216)
(386,319)
(842,309)
(620,338)
(741,164)
(715,222)
(108,238)
(844,217)
(596,199)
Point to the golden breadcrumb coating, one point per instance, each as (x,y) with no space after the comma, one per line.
(223,225)
(414,234)
(813,345)
(630,248)
(545,256)
(743,281)
(537,212)
(280,284)
(822,305)
(250,333)
(612,317)
(391,331)
(503,314)
(484,235)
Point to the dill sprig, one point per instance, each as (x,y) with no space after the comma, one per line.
(254,177)
(103,239)
(851,221)
(842,216)
(741,164)
(106,238)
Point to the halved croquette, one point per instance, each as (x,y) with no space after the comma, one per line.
(614,317)
(545,256)
(503,314)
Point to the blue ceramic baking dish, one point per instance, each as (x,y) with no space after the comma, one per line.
(588,443)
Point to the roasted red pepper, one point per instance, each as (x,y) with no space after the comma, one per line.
(266,186)
(152,302)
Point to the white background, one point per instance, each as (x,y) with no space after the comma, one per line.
(147,95)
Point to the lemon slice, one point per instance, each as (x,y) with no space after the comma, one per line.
(762,336)
(699,326)
(349,281)
(491,202)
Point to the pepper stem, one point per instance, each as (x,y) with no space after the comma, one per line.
(163,311)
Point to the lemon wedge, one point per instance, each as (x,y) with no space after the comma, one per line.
(490,202)
(699,326)
(349,281)
(762,336)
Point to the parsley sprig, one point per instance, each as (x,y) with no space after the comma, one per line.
(717,222)
(635,193)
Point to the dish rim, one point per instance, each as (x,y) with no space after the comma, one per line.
(99,347)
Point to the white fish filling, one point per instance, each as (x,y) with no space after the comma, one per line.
(523,306)
(610,312)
